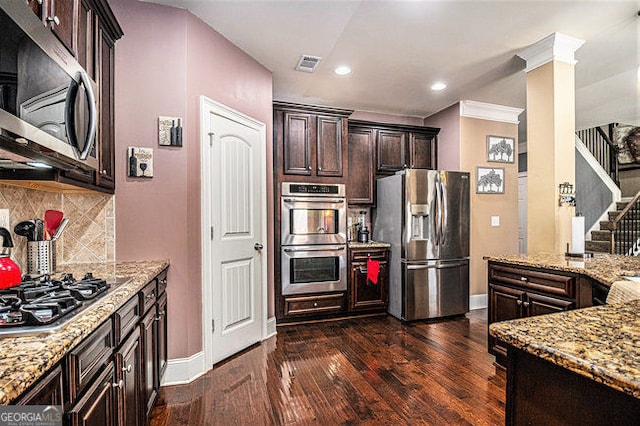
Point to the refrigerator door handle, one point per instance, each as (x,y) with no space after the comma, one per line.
(436,218)
(443,207)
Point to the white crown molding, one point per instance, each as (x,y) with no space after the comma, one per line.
(554,47)
(493,112)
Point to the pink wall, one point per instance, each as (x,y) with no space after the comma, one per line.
(448,120)
(165,61)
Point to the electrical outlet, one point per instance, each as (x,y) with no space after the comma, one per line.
(4,219)
(495,221)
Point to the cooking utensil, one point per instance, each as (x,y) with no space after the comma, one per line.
(26,229)
(39,230)
(60,229)
(52,220)
(10,274)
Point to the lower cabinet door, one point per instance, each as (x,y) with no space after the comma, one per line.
(149,359)
(364,294)
(129,364)
(504,304)
(47,391)
(540,305)
(162,337)
(98,406)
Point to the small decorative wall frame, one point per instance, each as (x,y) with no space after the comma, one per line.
(169,131)
(489,180)
(140,162)
(500,149)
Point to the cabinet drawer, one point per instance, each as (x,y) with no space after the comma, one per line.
(126,318)
(162,283)
(361,255)
(555,284)
(147,296)
(304,305)
(86,360)
(46,391)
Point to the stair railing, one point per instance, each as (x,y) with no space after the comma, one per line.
(625,228)
(603,149)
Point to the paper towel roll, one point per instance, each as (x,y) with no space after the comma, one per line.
(577,234)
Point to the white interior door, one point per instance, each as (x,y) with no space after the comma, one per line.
(522,212)
(234,262)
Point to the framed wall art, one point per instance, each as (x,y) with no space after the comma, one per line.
(489,180)
(500,149)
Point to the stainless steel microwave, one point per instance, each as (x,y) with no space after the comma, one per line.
(48,105)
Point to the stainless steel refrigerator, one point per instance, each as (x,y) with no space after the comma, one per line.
(424,214)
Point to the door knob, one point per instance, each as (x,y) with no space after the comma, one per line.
(258,246)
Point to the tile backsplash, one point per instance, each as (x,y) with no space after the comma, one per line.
(90,235)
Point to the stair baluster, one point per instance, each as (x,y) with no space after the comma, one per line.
(625,229)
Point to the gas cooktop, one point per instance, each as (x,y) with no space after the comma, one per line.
(44,305)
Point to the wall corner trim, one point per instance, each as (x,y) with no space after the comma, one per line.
(554,47)
(492,112)
(478,301)
(181,371)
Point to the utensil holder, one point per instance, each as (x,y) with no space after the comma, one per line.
(41,257)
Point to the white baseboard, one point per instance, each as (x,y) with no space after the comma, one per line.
(184,370)
(271,328)
(478,301)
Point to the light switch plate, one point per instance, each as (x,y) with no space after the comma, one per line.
(495,221)
(4,219)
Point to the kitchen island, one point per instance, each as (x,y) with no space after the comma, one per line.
(25,359)
(574,367)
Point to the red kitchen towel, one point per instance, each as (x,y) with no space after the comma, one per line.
(373,269)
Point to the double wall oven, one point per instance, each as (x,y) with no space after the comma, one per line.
(313,238)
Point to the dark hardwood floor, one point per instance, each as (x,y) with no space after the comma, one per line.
(371,370)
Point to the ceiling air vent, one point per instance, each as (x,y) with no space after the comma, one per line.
(308,63)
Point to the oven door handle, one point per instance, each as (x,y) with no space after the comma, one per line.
(314,200)
(323,248)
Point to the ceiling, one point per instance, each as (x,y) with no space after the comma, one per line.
(397,49)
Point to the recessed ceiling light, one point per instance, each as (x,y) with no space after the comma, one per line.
(438,86)
(343,70)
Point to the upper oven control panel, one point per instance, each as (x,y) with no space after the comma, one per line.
(314,189)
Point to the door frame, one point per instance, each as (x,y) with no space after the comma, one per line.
(206,106)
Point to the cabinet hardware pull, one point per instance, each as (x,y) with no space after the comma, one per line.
(103,172)
(163,281)
(127,369)
(151,295)
(524,279)
(118,385)
(526,304)
(54,19)
(519,302)
(315,304)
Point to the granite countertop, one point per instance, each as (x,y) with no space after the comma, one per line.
(23,360)
(605,268)
(601,343)
(370,244)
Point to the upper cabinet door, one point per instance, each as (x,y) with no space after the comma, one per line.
(297,153)
(61,17)
(391,151)
(329,146)
(421,148)
(361,182)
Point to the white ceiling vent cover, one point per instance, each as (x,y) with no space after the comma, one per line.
(308,63)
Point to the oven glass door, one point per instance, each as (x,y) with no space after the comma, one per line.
(313,269)
(307,221)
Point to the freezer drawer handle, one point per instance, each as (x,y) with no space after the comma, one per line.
(441,266)
(324,248)
(314,200)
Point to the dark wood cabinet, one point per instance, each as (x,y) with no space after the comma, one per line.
(105,177)
(149,360)
(310,142)
(329,145)
(361,182)
(98,406)
(518,292)
(162,323)
(422,151)
(129,380)
(364,295)
(47,391)
(317,304)
(391,147)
